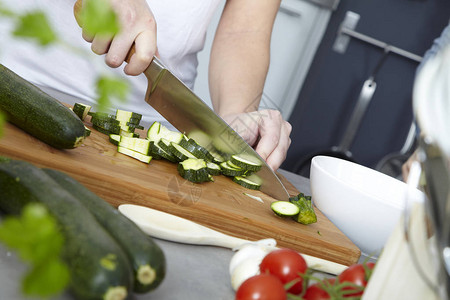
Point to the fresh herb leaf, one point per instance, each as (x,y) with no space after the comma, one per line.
(36,26)
(97,17)
(37,239)
(109,88)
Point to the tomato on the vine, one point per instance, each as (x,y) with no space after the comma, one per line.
(316,291)
(357,274)
(287,265)
(261,287)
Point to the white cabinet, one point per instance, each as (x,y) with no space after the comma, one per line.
(298,30)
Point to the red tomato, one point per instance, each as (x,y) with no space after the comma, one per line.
(261,287)
(286,264)
(356,274)
(316,291)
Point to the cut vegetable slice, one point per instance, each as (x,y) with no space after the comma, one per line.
(158,153)
(194,170)
(228,170)
(136,144)
(213,169)
(114,139)
(125,116)
(134,154)
(81,110)
(284,208)
(247,162)
(252,182)
(180,152)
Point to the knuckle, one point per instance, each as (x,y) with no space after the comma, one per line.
(113,61)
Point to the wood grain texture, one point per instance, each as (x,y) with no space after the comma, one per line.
(220,205)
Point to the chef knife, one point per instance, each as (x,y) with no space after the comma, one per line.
(189,114)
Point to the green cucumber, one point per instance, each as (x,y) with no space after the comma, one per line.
(99,268)
(37,113)
(146,256)
(194,170)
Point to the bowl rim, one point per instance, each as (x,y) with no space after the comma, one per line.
(397,204)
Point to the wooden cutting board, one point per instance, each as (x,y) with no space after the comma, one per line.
(220,205)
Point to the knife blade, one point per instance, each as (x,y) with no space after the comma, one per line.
(189,114)
(192,116)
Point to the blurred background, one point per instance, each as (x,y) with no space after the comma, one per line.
(317,87)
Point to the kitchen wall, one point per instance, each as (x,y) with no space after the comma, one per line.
(334,80)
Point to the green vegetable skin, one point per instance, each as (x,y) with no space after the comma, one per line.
(306,215)
(99,268)
(147,258)
(37,113)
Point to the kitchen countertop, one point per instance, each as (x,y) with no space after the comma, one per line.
(193,272)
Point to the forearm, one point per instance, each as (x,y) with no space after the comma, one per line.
(240,55)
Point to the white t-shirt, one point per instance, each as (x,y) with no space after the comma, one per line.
(181,33)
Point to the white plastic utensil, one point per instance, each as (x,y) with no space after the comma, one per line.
(169,227)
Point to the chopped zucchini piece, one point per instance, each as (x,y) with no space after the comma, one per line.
(197,150)
(158,131)
(114,139)
(158,153)
(125,116)
(134,154)
(180,152)
(194,170)
(247,162)
(252,182)
(284,208)
(306,215)
(87,131)
(213,169)
(228,170)
(136,144)
(81,110)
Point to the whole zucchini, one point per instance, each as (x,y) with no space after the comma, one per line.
(37,113)
(98,267)
(146,256)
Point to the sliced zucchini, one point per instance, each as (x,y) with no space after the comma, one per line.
(197,150)
(247,162)
(228,170)
(87,131)
(252,182)
(158,153)
(139,156)
(158,131)
(180,152)
(129,134)
(115,139)
(284,208)
(213,169)
(134,126)
(217,158)
(194,170)
(81,110)
(125,116)
(153,132)
(136,144)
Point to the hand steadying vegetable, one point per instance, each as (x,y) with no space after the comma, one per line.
(266,131)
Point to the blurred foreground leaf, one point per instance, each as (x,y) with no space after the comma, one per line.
(37,239)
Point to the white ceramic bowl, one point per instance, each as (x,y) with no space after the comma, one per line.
(363,203)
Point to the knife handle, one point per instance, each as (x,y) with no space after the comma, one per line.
(77,10)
